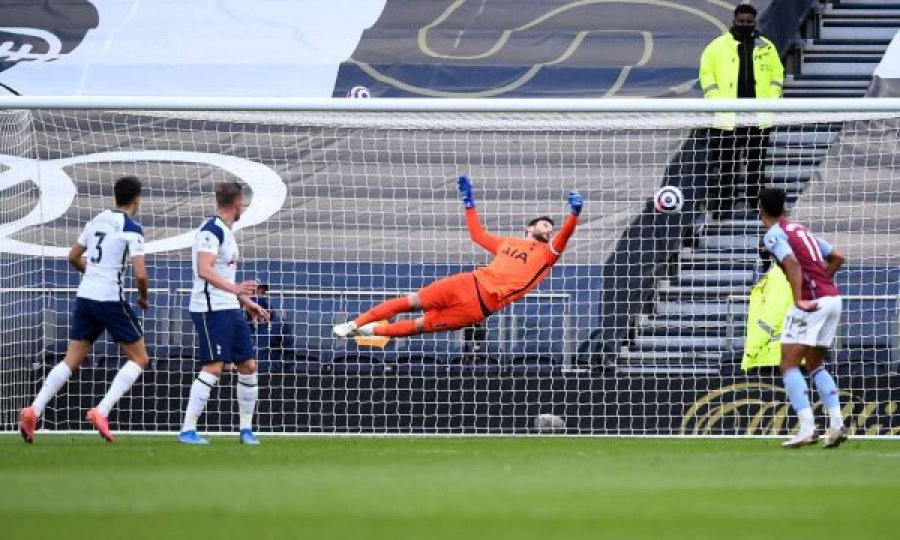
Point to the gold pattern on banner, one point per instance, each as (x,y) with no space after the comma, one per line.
(763,409)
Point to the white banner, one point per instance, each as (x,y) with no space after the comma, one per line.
(182,48)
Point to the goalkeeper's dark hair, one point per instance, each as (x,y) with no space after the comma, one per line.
(126,190)
(771,201)
(745,8)
(537,220)
(227,193)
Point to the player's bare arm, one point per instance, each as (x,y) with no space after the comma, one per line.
(76,254)
(257,312)
(795,277)
(140,280)
(833,262)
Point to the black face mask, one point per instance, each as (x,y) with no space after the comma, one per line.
(743,33)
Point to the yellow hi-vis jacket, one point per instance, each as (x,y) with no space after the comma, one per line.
(719,67)
(770,300)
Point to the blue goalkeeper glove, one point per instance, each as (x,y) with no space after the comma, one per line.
(576,201)
(466,192)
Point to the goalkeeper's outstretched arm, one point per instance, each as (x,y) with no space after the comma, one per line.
(576,202)
(476,230)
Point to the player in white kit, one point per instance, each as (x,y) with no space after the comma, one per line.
(222,328)
(107,241)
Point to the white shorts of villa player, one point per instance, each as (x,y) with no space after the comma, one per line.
(813,328)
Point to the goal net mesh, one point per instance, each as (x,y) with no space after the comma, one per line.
(639,329)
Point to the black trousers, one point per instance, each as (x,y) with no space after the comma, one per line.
(729,151)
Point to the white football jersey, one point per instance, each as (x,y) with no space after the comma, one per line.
(110,238)
(214,236)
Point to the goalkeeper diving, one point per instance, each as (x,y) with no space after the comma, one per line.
(468,298)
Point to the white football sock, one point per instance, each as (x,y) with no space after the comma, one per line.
(200,391)
(54,381)
(123,381)
(807,421)
(835,417)
(247,392)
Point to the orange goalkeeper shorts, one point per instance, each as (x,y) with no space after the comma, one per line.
(452,303)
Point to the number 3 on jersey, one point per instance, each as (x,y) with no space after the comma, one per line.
(96,258)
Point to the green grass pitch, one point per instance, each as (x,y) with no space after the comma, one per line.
(435,488)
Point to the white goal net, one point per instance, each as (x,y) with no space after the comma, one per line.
(639,329)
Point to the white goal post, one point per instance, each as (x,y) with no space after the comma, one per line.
(638,330)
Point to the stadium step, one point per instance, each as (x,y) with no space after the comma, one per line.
(845,64)
(853,41)
(678,343)
(802,154)
(716,265)
(746,220)
(788,178)
(810,46)
(711,256)
(668,362)
(678,308)
(745,215)
(733,228)
(863,4)
(867,4)
(827,81)
(794,159)
(863,13)
(851,27)
(728,242)
(672,321)
(801,137)
(714,277)
(669,291)
(703,328)
(863,56)
(823,92)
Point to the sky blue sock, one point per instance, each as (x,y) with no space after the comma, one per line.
(797,390)
(828,391)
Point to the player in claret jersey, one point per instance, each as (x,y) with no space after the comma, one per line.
(810,325)
(468,298)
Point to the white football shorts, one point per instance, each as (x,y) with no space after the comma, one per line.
(813,328)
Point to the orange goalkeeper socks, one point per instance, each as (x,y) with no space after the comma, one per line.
(384,310)
(397,329)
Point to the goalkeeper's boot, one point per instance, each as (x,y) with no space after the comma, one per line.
(368,329)
(834,437)
(28,423)
(247,437)
(347,329)
(100,422)
(801,439)
(191,437)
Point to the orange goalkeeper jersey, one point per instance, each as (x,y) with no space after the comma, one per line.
(520,265)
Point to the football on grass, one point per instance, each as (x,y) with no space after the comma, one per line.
(549,423)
